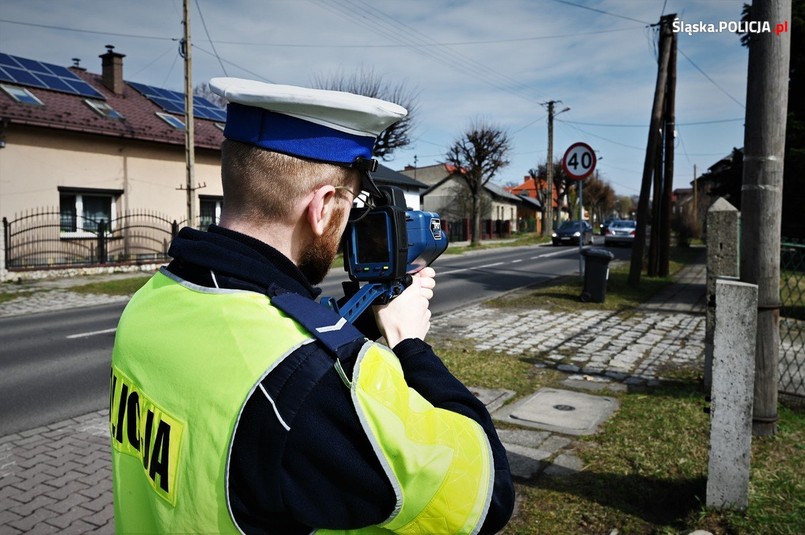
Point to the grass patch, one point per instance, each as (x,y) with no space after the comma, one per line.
(7,297)
(646,471)
(124,286)
(563,294)
(494,370)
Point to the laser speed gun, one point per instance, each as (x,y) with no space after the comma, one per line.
(383,247)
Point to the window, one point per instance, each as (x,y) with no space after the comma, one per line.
(21,95)
(83,211)
(210,212)
(103,109)
(171,120)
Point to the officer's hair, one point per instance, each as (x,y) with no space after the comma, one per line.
(260,184)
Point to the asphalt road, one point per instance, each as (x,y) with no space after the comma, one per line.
(55,365)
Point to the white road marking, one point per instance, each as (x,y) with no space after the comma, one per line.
(91,333)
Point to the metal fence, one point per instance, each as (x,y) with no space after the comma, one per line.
(460,229)
(792,321)
(47,238)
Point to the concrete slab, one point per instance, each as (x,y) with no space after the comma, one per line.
(493,398)
(561,411)
(564,465)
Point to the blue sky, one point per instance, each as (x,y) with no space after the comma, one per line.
(496,61)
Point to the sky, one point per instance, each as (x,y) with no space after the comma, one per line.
(467,61)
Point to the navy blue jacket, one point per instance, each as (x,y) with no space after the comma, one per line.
(322,470)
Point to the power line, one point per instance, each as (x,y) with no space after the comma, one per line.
(412,38)
(113,34)
(212,44)
(600,137)
(588,8)
(711,80)
(696,123)
(244,69)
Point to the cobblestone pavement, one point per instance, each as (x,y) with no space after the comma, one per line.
(57,478)
(636,349)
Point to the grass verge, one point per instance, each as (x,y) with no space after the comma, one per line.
(563,294)
(124,286)
(646,470)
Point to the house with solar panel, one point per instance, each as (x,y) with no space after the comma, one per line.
(93,168)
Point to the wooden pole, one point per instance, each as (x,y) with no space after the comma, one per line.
(762,196)
(636,265)
(189,135)
(547,225)
(668,172)
(654,241)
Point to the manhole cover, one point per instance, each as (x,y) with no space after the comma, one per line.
(563,411)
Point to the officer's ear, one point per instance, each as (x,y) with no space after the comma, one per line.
(320,208)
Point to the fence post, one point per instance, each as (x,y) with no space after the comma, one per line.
(102,242)
(732,395)
(4,256)
(722,261)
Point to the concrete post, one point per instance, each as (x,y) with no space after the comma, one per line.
(722,261)
(732,395)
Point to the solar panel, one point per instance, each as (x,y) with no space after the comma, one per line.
(173,102)
(31,73)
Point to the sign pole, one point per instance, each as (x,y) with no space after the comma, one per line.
(579,163)
(581,226)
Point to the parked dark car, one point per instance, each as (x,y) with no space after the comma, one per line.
(620,232)
(605,225)
(570,232)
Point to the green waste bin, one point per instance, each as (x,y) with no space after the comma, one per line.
(596,273)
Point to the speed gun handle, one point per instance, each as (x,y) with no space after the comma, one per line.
(372,293)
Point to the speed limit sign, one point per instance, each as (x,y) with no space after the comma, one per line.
(579,161)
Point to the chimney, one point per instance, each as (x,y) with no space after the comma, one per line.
(112,63)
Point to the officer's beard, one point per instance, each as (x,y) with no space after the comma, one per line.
(316,259)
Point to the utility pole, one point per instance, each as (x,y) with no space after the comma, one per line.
(667,193)
(547,225)
(654,135)
(762,197)
(189,136)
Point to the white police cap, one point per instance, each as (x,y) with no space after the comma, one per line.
(327,126)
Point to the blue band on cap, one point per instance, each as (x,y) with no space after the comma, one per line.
(294,136)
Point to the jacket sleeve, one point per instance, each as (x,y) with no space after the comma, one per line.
(425,373)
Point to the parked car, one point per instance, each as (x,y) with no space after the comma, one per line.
(620,232)
(605,225)
(570,232)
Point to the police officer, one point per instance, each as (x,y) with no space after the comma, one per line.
(240,404)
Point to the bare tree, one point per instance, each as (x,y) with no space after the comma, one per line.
(598,197)
(477,156)
(369,84)
(561,185)
(203,90)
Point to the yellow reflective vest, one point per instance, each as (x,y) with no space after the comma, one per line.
(186,360)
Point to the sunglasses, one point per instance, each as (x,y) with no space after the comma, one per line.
(358,212)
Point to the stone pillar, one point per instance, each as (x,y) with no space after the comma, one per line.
(732,395)
(722,261)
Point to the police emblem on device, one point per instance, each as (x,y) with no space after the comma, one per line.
(436,228)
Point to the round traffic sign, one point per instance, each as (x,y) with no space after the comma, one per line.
(579,161)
